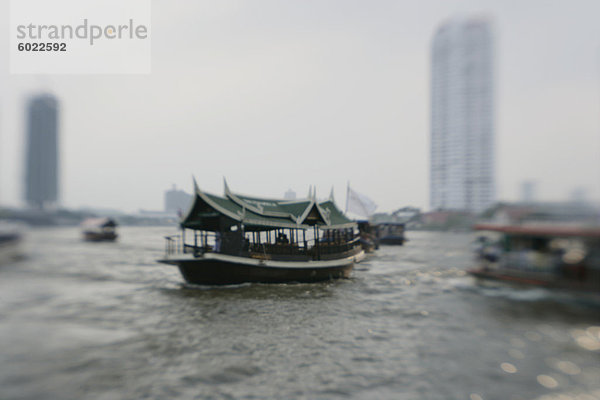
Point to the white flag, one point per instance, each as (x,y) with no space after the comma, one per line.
(359,204)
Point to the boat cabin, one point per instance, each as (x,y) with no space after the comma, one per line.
(548,252)
(390,233)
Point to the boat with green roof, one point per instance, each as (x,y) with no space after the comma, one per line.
(234,239)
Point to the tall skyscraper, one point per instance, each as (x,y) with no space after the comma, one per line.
(462,116)
(41,169)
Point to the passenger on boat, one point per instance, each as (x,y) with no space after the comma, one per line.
(282,239)
(487,249)
(217,242)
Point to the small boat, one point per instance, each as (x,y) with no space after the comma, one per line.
(99,230)
(11,242)
(390,233)
(559,256)
(236,239)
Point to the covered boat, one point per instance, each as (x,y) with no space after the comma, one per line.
(390,233)
(236,239)
(558,256)
(99,230)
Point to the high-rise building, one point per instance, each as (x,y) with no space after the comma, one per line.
(177,201)
(289,195)
(462,116)
(41,164)
(528,189)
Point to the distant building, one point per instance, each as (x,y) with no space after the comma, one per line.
(528,192)
(411,216)
(407,214)
(42,160)
(462,117)
(436,217)
(578,195)
(448,220)
(545,212)
(290,195)
(177,201)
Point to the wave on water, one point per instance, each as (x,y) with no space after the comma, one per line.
(519,294)
(501,290)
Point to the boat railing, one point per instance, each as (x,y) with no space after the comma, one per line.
(334,247)
(175,244)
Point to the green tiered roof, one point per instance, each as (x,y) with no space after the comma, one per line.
(262,214)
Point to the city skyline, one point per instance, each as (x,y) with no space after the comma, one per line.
(462,116)
(287,95)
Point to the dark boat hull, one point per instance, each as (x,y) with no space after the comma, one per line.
(10,247)
(532,280)
(99,237)
(392,240)
(211,271)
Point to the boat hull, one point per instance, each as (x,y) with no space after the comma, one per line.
(535,281)
(214,269)
(392,240)
(99,237)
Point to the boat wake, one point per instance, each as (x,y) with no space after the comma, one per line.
(500,290)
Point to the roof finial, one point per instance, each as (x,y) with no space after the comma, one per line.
(331,198)
(314,195)
(347,195)
(225,186)
(195,184)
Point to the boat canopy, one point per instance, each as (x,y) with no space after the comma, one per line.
(99,223)
(215,213)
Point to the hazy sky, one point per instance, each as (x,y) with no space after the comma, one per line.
(284,94)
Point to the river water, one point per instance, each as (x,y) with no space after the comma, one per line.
(105,321)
